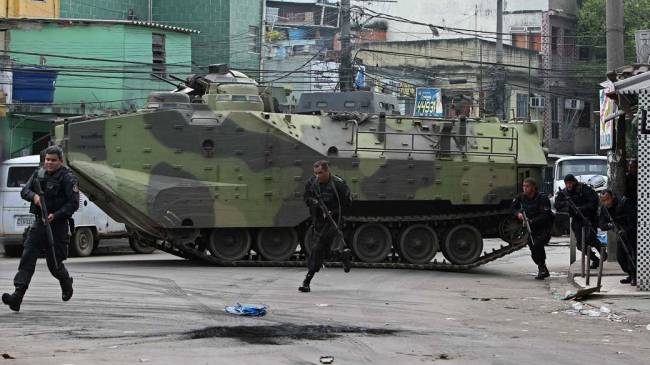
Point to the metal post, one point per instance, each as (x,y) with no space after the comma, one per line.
(582,244)
(500,79)
(588,258)
(345,69)
(600,267)
(150,11)
(262,41)
(615,59)
(528,98)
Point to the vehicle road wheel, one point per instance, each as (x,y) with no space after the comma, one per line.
(372,242)
(277,244)
(83,242)
(463,244)
(418,244)
(229,244)
(13,250)
(512,231)
(140,247)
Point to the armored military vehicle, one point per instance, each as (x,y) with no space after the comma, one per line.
(210,175)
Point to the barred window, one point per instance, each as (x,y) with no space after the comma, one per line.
(158,64)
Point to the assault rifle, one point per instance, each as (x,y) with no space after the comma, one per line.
(530,231)
(340,244)
(44,213)
(620,234)
(575,208)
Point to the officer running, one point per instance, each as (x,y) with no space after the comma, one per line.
(61,193)
(537,209)
(619,215)
(325,188)
(585,200)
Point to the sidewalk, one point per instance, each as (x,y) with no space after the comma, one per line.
(610,285)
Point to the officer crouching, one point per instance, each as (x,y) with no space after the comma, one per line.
(619,215)
(60,192)
(534,209)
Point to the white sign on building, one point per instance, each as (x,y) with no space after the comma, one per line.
(607,108)
(324,76)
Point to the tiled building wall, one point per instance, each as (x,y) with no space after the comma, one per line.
(643,253)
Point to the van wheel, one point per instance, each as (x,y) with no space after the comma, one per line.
(13,250)
(140,247)
(83,242)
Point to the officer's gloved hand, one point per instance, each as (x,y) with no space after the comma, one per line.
(312,202)
(609,226)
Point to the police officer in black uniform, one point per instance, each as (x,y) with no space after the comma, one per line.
(61,194)
(332,191)
(620,214)
(537,209)
(586,201)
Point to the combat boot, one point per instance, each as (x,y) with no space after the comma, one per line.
(627,280)
(347,259)
(305,284)
(66,289)
(14,300)
(542,272)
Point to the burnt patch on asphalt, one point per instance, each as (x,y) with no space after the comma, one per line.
(285,333)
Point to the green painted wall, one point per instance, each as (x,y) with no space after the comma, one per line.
(247,13)
(17,135)
(210,17)
(220,41)
(104,9)
(121,81)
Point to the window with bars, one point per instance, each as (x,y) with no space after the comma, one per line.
(254,35)
(555,39)
(158,64)
(522,105)
(554,107)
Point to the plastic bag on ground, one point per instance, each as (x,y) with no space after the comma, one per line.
(247,310)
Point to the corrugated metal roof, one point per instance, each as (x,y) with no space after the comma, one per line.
(637,84)
(138,23)
(634,85)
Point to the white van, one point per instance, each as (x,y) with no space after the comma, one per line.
(588,169)
(91,223)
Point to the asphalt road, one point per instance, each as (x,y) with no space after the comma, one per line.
(156,308)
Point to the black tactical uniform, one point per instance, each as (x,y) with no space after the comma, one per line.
(335,194)
(540,217)
(622,218)
(62,200)
(586,200)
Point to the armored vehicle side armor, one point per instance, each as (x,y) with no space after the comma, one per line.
(211,175)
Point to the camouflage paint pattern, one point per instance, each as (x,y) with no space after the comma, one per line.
(160,169)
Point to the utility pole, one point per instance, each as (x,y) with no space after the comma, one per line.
(345,69)
(262,41)
(616,59)
(528,97)
(500,71)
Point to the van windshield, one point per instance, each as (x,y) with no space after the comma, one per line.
(18,176)
(582,167)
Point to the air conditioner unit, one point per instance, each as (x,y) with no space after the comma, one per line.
(574,104)
(537,102)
